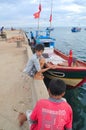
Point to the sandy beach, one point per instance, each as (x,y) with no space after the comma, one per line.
(15,93)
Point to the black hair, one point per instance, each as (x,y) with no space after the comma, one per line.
(57,87)
(39,47)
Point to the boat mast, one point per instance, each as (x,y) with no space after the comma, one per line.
(40,12)
(51,13)
(38,23)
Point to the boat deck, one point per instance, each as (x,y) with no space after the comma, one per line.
(59,60)
(53,58)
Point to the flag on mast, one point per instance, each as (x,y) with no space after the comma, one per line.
(40,8)
(36,15)
(50,18)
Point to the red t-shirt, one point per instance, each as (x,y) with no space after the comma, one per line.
(51,115)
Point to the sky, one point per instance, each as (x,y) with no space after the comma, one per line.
(19,13)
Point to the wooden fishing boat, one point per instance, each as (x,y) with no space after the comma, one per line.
(74,75)
(44,38)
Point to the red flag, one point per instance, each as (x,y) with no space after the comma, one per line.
(50,18)
(40,8)
(36,15)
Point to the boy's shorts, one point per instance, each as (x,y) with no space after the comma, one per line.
(32,72)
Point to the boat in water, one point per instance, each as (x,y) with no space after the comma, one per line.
(75,29)
(43,37)
(71,70)
(74,74)
(67,68)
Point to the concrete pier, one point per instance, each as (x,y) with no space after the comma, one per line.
(17,92)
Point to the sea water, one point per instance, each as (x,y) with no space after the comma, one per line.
(66,40)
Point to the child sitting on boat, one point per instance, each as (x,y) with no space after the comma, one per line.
(34,67)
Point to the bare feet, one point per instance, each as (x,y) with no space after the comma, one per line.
(38,76)
(22,118)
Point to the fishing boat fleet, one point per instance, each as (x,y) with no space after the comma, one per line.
(76,29)
(68,68)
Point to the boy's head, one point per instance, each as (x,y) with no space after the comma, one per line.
(57,87)
(39,48)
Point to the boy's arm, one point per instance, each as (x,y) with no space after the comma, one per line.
(47,67)
(34,114)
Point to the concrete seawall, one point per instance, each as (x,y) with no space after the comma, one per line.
(17,94)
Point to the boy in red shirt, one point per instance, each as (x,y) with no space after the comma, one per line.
(53,113)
